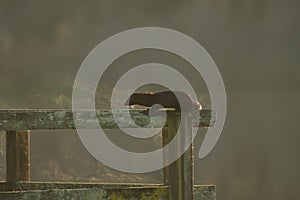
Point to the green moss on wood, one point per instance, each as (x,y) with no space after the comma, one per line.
(104,193)
(63,119)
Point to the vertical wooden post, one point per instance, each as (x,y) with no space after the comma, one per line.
(188,159)
(172,173)
(17,156)
(180,174)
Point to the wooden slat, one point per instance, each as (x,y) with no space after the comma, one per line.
(20,186)
(187,159)
(179,174)
(63,119)
(17,156)
(173,178)
(88,194)
(53,191)
(166,138)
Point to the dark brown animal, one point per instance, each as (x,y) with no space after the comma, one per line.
(168,99)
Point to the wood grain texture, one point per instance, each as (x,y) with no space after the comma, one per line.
(179,175)
(17,156)
(63,119)
(88,191)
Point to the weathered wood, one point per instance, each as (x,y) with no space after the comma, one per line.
(63,119)
(175,171)
(172,172)
(179,174)
(17,156)
(19,186)
(89,194)
(204,192)
(187,159)
(166,138)
(87,191)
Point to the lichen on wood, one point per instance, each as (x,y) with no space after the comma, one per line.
(63,119)
(100,192)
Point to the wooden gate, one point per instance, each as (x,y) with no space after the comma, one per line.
(178,177)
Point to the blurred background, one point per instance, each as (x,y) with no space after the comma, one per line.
(255,44)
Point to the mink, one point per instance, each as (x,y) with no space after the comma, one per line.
(168,99)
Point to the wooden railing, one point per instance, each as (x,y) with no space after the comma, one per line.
(178,177)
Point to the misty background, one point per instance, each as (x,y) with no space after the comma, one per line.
(255,44)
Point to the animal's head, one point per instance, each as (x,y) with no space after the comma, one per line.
(131,100)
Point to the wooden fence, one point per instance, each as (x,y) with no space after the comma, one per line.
(178,177)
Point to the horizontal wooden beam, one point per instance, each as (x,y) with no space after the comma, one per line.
(20,186)
(53,191)
(33,119)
